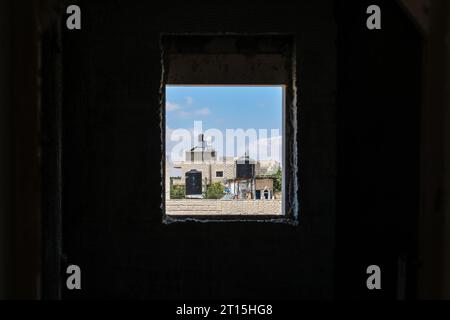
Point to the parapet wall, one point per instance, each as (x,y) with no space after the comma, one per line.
(222,207)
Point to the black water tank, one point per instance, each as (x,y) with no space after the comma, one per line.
(245,168)
(193,183)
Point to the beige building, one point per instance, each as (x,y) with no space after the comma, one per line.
(222,169)
(264,188)
(213,168)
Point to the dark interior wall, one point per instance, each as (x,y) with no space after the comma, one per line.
(112,216)
(5,97)
(379,102)
(434,241)
(111,153)
(19,153)
(112,220)
(446,135)
(446,145)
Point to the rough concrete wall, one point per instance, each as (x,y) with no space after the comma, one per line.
(112,227)
(112,212)
(5,102)
(446,117)
(242,67)
(21,24)
(223,207)
(379,85)
(419,11)
(19,164)
(25,172)
(446,248)
(433,225)
(434,274)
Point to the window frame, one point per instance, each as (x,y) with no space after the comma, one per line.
(221,174)
(290,186)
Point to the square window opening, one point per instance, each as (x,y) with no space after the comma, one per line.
(228,120)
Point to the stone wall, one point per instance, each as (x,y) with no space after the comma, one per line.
(222,207)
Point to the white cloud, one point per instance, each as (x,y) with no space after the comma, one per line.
(267,148)
(263,149)
(203,112)
(189,101)
(183,114)
(183,110)
(172,106)
(174,137)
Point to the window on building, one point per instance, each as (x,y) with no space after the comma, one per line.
(219,174)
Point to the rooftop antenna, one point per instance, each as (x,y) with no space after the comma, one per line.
(201,138)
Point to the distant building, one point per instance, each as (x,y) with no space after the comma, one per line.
(268,167)
(264,188)
(227,171)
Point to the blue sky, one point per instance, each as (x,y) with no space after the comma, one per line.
(225,107)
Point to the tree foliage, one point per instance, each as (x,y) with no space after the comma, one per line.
(177,192)
(277,180)
(215,191)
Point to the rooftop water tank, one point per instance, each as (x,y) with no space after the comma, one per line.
(245,168)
